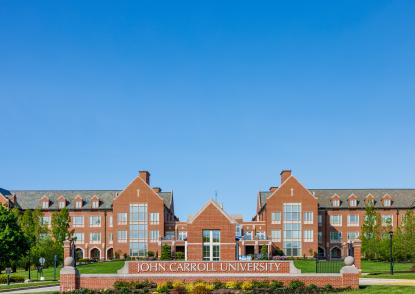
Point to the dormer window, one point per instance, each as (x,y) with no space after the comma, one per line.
(95,204)
(335,202)
(352,202)
(62,204)
(370,200)
(387,202)
(78,204)
(45,204)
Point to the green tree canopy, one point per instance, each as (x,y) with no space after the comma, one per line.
(60,225)
(13,243)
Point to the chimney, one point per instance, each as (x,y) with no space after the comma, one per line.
(157,189)
(145,175)
(285,174)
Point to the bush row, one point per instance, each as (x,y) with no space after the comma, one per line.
(13,279)
(218,287)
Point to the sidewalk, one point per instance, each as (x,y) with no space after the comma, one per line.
(35,290)
(394,282)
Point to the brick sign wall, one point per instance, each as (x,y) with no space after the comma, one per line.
(153,267)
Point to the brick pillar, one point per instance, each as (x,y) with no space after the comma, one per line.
(69,278)
(357,248)
(66,249)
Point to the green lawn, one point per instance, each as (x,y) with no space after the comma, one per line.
(108,267)
(409,276)
(309,266)
(27,285)
(383,290)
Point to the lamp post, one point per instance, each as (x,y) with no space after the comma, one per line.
(390,250)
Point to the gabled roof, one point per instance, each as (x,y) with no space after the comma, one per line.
(218,207)
(30,199)
(401,198)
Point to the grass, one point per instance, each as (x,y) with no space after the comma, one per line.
(27,285)
(409,276)
(383,290)
(306,265)
(380,266)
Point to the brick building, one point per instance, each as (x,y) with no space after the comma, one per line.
(141,218)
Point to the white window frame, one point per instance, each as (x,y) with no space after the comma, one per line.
(350,224)
(78,204)
(336,224)
(122,218)
(387,202)
(45,204)
(95,204)
(92,222)
(353,232)
(310,220)
(62,204)
(182,235)
(154,235)
(274,218)
(308,235)
(384,216)
(91,238)
(335,202)
(276,235)
(353,202)
(111,221)
(45,220)
(122,233)
(154,218)
(80,224)
(79,240)
(336,240)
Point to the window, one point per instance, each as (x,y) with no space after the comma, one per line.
(248,236)
(308,236)
(353,220)
(387,220)
(45,220)
(211,245)
(94,221)
(276,217)
(260,236)
(276,235)
(320,219)
(352,202)
(95,238)
(79,237)
(335,237)
(238,230)
(169,235)
(110,221)
(45,204)
(95,204)
(62,204)
(308,217)
(182,236)
(77,221)
(110,237)
(154,218)
(335,202)
(138,229)
(336,220)
(122,236)
(292,229)
(154,236)
(352,236)
(320,236)
(387,202)
(122,218)
(78,204)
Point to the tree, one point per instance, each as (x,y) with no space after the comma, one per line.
(60,225)
(165,252)
(13,243)
(371,232)
(264,252)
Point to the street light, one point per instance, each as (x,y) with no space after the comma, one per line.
(390,250)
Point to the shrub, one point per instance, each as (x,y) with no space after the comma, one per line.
(165,252)
(13,279)
(247,285)
(296,284)
(200,289)
(179,255)
(276,284)
(150,253)
(162,287)
(312,287)
(328,287)
(218,285)
(260,284)
(232,285)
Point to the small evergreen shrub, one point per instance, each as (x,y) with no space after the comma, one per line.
(296,285)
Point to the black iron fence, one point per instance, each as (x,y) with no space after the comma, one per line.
(329,266)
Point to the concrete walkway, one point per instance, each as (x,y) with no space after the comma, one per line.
(394,282)
(36,290)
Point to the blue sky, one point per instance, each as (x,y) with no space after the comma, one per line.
(208,96)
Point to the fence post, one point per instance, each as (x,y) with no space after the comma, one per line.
(357,248)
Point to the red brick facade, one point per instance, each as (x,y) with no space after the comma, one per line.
(140,219)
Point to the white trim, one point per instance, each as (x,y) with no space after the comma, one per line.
(283,183)
(232,221)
